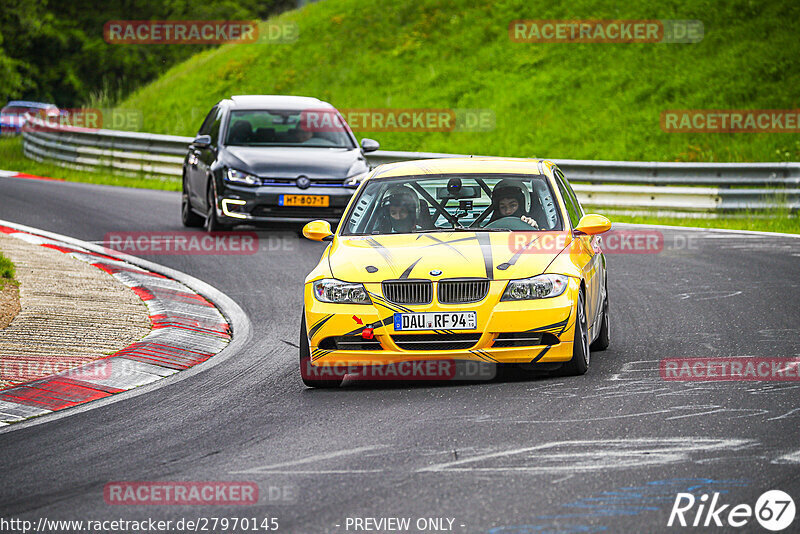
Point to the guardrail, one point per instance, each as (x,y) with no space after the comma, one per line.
(627,185)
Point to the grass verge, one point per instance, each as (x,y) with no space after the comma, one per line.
(7,272)
(13,159)
(760,222)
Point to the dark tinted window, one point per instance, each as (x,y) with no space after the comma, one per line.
(571,193)
(215,126)
(570,202)
(205,129)
(323,128)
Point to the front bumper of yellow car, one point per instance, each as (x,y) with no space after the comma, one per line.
(504,329)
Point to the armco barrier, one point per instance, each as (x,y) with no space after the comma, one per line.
(702,187)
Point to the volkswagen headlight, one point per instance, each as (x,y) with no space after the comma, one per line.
(241,178)
(544,286)
(338,292)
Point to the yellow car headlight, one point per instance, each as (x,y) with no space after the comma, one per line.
(338,292)
(543,286)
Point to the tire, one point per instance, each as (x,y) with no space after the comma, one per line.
(307,372)
(212,223)
(581,352)
(188,217)
(604,337)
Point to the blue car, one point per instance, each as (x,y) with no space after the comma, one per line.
(12,116)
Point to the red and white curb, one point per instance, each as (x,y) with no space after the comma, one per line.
(187,329)
(14,174)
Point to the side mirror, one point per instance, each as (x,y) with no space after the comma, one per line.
(369,145)
(592,224)
(202,141)
(318,231)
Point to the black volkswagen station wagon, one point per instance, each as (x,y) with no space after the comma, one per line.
(271,158)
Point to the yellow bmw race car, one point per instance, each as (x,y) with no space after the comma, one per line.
(485,259)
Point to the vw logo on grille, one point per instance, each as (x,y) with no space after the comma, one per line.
(303,182)
(436,272)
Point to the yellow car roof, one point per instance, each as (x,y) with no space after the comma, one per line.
(465,166)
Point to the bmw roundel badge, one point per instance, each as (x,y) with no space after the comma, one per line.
(436,272)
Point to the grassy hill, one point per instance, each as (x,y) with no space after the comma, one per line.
(557,100)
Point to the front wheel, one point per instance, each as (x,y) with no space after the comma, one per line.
(315,376)
(188,217)
(212,223)
(579,363)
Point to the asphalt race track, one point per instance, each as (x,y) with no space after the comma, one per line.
(608,451)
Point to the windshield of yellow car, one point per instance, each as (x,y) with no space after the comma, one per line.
(444,203)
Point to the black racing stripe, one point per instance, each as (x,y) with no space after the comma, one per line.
(383,251)
(459,240)
(479,355)
(513,259)
(386,304)
(320,354)
(565,322)
(485,242)
(410,268)
(315,328)
(448,244)
(541,354)
(552,327)
(488,355)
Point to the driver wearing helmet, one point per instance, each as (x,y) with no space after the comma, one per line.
(400,211)
(508,200)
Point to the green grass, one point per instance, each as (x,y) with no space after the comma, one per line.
(12,159)
(764,222)
(555,100)
(7,271)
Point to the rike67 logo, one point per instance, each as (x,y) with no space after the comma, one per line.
(774,510)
